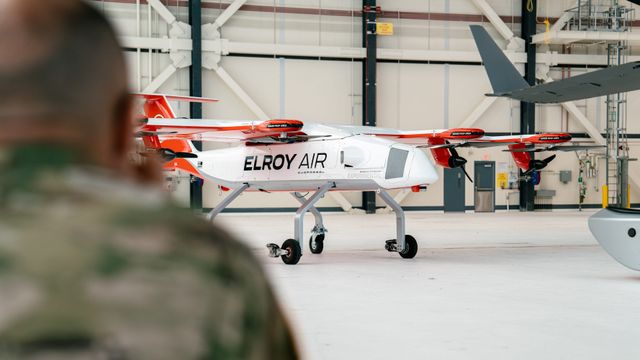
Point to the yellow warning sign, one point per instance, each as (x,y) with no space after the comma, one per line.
(384,28)
(502,179)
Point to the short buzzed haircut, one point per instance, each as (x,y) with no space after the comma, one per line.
(61,65)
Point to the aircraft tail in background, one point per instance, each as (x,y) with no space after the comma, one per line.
(504,77)
(506,81)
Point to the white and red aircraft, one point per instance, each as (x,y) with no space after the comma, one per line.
(289,155)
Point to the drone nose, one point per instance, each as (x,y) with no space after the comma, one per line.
(422,170)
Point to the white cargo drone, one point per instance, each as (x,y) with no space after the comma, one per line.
(287,155)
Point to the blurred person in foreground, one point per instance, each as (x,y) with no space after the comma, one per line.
(94,264)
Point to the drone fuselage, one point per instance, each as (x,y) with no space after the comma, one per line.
(352,163)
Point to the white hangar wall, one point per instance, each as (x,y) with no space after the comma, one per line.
(410,95)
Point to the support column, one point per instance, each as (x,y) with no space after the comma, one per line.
(195,86)
(369,42)
(528,110)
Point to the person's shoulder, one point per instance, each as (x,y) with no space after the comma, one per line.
(142,220)
(180,230)
(196,235)
(130,251)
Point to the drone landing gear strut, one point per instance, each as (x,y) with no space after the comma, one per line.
(291,251)
(403,244)
(316,241)
(226,201)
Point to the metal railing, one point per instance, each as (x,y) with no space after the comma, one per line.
(603,15)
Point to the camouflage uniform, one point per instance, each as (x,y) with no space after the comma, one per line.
(94,268)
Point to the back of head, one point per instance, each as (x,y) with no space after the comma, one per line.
(94,268)
(62,79)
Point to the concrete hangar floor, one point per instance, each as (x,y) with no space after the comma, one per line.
(507,285)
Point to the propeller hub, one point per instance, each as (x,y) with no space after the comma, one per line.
(538,164)
(456,161)
(167,154)
(541,164)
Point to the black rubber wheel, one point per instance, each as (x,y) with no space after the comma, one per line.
(411,247)
(295,252)
(316,243)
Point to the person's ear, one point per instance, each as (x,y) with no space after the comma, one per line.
(148,170)
(122,137)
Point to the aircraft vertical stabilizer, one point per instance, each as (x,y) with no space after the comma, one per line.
(504,77)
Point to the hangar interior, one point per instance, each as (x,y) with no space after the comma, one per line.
(510,284)
(304,59)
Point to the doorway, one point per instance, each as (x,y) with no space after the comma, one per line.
(454,190)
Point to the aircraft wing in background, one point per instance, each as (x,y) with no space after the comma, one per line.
(506,81)
(612,80)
